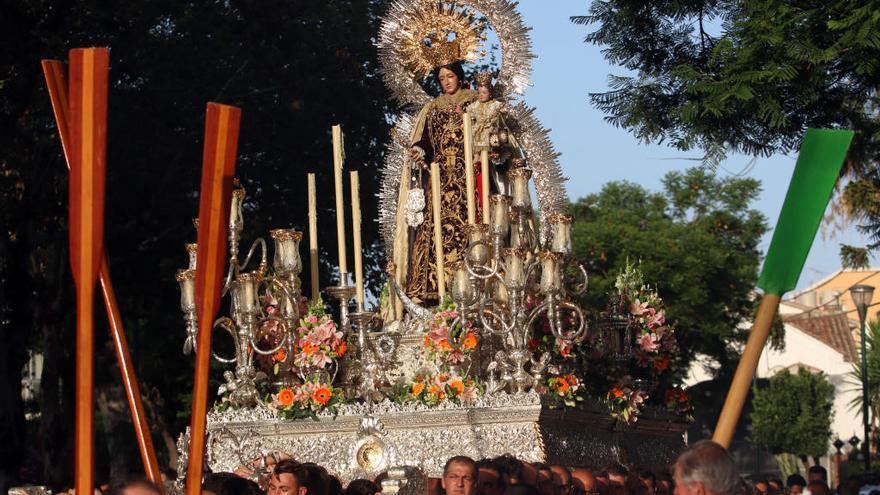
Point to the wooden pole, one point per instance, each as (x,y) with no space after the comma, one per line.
(745,371)
(218,168)
(88,130)
(53,70)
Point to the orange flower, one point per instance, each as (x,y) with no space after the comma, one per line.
(561,385)
(322,395)
(470,342)
(565,351)
(426,341)
(661,363)
(341,348)
(418,388)
(444,345)
(285,397)
(279,356)
(616,392)
(433,389)
(457,386)
(442,378)
(309,348)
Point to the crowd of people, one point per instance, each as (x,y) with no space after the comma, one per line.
(705,468)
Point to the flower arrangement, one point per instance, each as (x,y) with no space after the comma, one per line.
(319,342)
(306,400)
(655,343)
(444,329)
(442,387)
(624,401)
(678,401)
(565,388)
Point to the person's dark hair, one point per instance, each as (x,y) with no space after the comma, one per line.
(334,486)
(288,466)
(462,459)
(456,69)
(664,476)
(238,486)
(214,481)
(795,479)
(361,486)
(521,489)
(509,466)
(777,482)
(317,479)
(117,486)
(647,475)
(541,466)
(616,469)
(818,470)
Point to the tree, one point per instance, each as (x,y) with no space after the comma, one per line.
(792,414)
(697,242)
(747,76)
(295,68)
(872,343)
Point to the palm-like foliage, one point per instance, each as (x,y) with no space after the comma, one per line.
(872,341)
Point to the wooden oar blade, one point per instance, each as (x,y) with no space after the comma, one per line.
(89,69)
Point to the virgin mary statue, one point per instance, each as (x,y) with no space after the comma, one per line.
(437,137)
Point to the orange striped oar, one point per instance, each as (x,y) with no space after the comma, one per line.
(88,159)
(56,82)
(218,169)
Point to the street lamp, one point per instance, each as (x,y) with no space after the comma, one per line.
(861,296)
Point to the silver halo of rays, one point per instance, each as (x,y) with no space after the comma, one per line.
(513,79)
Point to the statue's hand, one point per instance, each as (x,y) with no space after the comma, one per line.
(417,155)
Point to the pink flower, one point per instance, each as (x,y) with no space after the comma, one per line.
(637,308)
(312,319)
(657,320)
(649,342)
(439,333)
(455,357)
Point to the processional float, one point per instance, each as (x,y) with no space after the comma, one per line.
(448,370)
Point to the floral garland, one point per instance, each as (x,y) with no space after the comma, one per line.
(444,329)
(319,342)
(625,401)
(677,401)
(654,338)
(442,387)
(567,389)
(306,400)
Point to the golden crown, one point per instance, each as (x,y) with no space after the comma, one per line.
(432,36)
(483,79)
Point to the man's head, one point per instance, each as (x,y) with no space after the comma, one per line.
(133,485)
(776,485)
(647,483)
(817,473)
(545,479)
(489,481)
(510,469)
(795,484)
(818,487)
(617,474)
(706,468)
(762,487)
(583,482)
(459,476)
(561,479)
(289,478)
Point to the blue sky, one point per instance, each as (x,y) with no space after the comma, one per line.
(595,152)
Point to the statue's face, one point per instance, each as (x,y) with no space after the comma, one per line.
(484,94)
(449,81)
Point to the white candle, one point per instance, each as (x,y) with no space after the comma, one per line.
(313,238)
(356,233)
(340,200)
(438,233)
(469,166)
(484,180)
